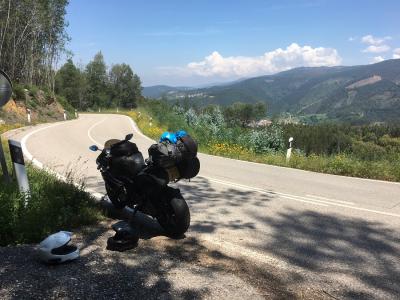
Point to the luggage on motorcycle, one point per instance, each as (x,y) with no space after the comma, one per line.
(129,165)
(189,168)
(123,148)
(179,160)
(166,154)
(163,154)
(187,147)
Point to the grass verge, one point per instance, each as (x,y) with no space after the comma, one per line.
(341,164)
(53,205)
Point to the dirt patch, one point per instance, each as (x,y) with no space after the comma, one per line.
(159,268)
(44,111)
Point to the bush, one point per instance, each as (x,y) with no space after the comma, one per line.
(363,151)
(31,104)
(33,90)
(18,92)
(53,205)
(368,151)
(268,139)
(66,105)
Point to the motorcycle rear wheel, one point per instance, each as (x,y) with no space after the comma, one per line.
(177,220)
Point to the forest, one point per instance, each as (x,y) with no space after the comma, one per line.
(33,42)
(371,151)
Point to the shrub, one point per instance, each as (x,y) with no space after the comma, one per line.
(368,151)
(19,92)
(53,205)
(33,90)
(66,105)
(268,139)
(191,118)
(363,151)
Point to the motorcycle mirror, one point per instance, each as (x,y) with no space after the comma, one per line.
(5,88)
(94,148)
(128,136)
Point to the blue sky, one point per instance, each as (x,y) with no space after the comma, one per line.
(198,42)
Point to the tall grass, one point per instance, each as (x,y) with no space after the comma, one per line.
(234,146)
(53,205)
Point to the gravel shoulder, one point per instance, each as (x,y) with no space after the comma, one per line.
(159,268)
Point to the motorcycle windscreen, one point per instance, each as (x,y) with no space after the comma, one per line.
(109,143)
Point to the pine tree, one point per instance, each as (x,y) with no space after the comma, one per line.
(96,78)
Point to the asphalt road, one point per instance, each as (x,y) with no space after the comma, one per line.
(339,233)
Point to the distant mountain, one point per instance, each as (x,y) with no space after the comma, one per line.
(353,93)
(158,91)
(173,92)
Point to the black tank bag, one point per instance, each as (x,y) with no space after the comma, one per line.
(126,159)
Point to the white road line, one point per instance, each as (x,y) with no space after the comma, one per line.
(261,164)
(137,130)
(298,198)
(24,140)
(236,185)
(262,191)
(305,201)
(224,246)
(331,200)
(90,130)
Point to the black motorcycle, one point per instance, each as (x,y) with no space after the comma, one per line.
(143,184)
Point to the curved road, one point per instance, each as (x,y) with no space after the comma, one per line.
(331,230)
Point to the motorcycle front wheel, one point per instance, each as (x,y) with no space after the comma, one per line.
(176,220)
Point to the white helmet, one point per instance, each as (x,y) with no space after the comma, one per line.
(55,249)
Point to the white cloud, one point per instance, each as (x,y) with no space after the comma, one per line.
(270,62)
(371,40)
(351,39)
(376,44)
(396,53)
(377,59)
(376,49)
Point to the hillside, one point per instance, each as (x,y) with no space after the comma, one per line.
(365,93)
(158,91)
(43,106)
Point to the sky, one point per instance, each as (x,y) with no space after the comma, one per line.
(200,42)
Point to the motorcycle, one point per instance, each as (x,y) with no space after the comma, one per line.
(143,184)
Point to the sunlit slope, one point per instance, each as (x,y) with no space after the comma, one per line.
(365,93)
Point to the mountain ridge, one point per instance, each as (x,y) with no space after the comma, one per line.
(366,93)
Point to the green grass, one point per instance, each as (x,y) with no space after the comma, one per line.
(340,164)
(53,205)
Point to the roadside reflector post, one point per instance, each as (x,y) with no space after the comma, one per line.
(65,115)
(117,109)
(76,113)
(289,150)
(99,109)
(28,113)
(3,163)
(17,158)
